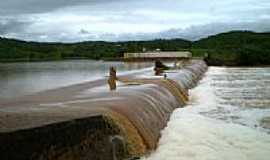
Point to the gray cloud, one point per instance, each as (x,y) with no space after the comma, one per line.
(12,25)
(194,32)
(202,31)
(41,6)
(83,31)
(191,33)
(117,20)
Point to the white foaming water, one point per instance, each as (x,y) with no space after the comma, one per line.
(209,129)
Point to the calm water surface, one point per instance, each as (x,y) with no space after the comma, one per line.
(18,79)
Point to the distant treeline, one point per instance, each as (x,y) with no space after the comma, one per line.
(232,48)
(20,50)
(235,48)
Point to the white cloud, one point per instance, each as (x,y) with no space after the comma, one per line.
(126,20)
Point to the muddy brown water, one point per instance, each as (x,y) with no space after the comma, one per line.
(136,113)
(24,78)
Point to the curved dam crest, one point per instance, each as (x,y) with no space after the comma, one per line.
(87,121)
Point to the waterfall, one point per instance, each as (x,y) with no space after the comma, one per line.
(133,115)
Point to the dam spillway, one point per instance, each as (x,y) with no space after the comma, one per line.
(87,121)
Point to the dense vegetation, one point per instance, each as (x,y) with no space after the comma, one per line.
(232,48)
(14,50)
(235,48)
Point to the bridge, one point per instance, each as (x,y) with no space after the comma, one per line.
(176,55)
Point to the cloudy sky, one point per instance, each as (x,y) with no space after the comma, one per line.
(116,20)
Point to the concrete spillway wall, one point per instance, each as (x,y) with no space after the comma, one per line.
(90,122)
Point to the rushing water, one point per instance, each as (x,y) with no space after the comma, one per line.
(18,79)
(228,118)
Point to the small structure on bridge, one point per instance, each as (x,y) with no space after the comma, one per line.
(158,55)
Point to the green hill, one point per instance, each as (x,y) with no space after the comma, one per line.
(16,50)
(232,48)
(235,48)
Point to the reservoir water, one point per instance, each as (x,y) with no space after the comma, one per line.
(19,79)
(228,117)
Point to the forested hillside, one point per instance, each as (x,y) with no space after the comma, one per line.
(15,50)
(232,48)
(235,48)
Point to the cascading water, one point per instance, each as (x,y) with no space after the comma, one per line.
(226,119)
